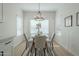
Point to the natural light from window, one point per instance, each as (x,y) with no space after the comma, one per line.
(44,27)
(19,26)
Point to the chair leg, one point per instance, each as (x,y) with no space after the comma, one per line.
(44,51)
(35,51)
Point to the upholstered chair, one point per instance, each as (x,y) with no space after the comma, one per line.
(40,42)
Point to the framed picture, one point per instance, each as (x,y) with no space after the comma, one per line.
(68,21)
(77,18)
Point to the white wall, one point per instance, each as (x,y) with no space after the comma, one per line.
(8,28)
(0,11)
(68,37)
(30,15)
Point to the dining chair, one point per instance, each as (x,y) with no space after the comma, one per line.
(40,42)
(27,45)
(52,41)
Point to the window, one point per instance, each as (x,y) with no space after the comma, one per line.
(19,26)
(44,27)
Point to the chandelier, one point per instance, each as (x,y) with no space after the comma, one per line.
(39,17)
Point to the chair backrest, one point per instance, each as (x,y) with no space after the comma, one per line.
(52,39)
(27,43)
(40,42)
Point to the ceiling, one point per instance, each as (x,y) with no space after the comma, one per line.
(43,6)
